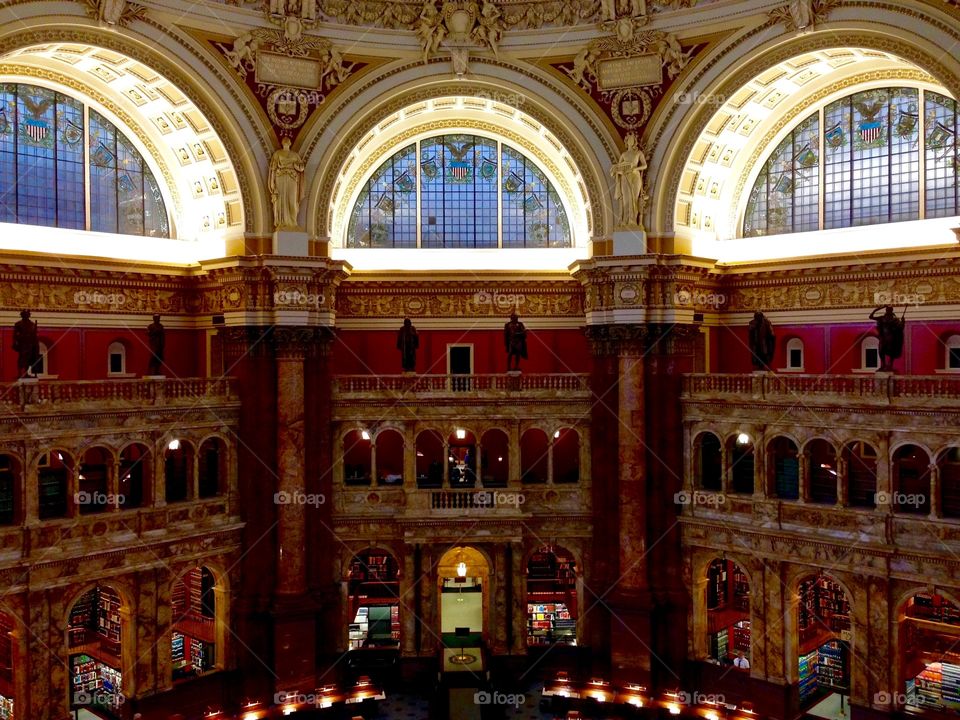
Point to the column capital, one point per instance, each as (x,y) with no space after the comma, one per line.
(291,342)
(617,339)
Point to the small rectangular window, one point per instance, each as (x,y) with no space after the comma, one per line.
(116,363)
(796,358)
(954,358)
(871,358)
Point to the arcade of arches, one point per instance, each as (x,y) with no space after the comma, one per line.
(671,428)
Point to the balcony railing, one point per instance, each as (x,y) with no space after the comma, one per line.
(135,392)
(506,385)
(875,389)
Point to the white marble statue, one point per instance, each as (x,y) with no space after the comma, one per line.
(628,183)
(285,181)
(802,13)
(584,71)
(110,11)
(488,30)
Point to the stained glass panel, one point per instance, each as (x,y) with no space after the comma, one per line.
(464,183)
(942,158)
(870,147)
(42,173)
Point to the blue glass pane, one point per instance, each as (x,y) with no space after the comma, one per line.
(129,188)
(8,153)
(102,138)
(904,155)
(35,138)
(71,210)
(838,152)
(806,175)
(942,159)
(755,220)
(156,222)
(533,215)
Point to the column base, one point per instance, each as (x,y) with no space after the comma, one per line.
(294,643)
(631,636)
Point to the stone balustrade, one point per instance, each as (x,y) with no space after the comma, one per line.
(873,388)
(463,387)
(42,395)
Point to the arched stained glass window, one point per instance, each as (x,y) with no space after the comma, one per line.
(458,191)
(868,149)
(45,177)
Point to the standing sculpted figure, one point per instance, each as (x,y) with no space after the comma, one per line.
(285,182)
(431,30)
(628,182)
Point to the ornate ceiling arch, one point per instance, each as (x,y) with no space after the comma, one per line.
(898,38)
(195,130)
(582,146)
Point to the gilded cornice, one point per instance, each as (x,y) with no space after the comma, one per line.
(480,299)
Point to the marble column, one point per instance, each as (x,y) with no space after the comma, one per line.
(294,610)
(408,614)
(518,601)
(500,610)
(630,603)
(936,506)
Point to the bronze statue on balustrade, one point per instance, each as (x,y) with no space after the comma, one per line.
(762,340)
(890,332)
(156,336)
(26,343)
(515,340)
(407,343)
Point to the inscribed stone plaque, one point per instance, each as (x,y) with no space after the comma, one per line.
(633,71)
(275,69)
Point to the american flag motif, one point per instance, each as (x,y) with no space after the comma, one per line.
(459,170)
(36,129)
(870,131)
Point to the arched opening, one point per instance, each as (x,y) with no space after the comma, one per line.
(134,476)
(429,459)
(566,456)
(463,575)
(784,468)
(53,483)
(10,483)
(860,461)
(8,668)
(211,468)
(911,480)
(93,482)
(823,628)
(822,471)
(708,462)
(951,349)
(929,641)
(94,639)
(870,353)
(728,614)
(948,466)
(373,605)
(117,359)
(795,357)
(551,597)
(178,470)
(462,459)
(390,446)
(357,458)
(534,462)
(193,639)
(740,451)
(495,458)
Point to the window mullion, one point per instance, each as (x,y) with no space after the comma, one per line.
(499,194)
(87,221)
(822,171)
(922,146)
